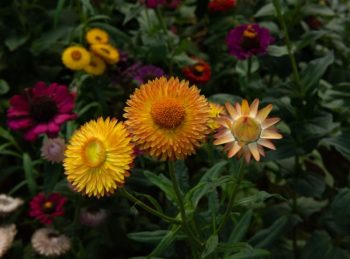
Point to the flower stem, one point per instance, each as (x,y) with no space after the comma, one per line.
(138,202)
(282,22)
(234,192)
(195,242)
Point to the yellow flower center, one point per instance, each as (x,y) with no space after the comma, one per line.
(106,51)
(246,129)
(48,205)
(94,153)
(76,55)
(168,113)
(249,32)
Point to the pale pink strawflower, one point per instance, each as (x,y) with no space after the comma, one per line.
(93,217)
(7,235)
(48,242)
(53,149)
(9,204)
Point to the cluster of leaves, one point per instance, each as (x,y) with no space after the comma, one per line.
(293,204)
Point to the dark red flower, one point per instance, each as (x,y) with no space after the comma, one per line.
(247,40)
(41,109)
(313,22)
(198,73)
(46,208)
(221,5)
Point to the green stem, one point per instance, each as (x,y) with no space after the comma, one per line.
(195,242)
(282,22)
(295,207)
(138,202)
(232,196)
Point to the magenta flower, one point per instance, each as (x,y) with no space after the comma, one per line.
(152,3)
(41,109)
(46,208)
(148,72)
(247,40)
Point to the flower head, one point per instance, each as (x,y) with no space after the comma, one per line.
(46,208)
(98,157)
(97,36)
(248,40)
(53,149)
(145,73)
(7,235)
(167,118)
(48,242)
(96,66)
(221,5)
(153,3)
(93,217)
(216,111)
(9,204)
(75,57)
(198,73)
(42,109)
(107,52)
(246,130)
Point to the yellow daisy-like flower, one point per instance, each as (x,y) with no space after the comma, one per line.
(75,57)
(167,118)
(97,36)
(96,66)
(107,52)
(216,111)
(98,157)
(246,130)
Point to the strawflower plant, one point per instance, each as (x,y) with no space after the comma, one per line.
(175,129)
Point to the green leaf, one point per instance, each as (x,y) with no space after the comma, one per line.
(210,245)
(29,173)
(16,41)
(310,185)
(314,71)
(166,241)
(248,254)
(241,227)
(153,201)
(266,10)
(317,9)
(4,87)
(341,143)
(277,51)
(308,206)
(223,98)
(148,237)
(256,199)
(242,67)
(341,208)
(265,238)
(58,11)
(162,183)
(320,246)
(118,35)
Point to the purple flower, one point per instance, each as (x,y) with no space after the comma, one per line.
(247,40)
(152,3)
(148,72)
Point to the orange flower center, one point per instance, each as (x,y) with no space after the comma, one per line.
(48,205)
(249,32)
(106,51)
(250,39)
(168,113)
(76,55)
(246,129)
(94,153)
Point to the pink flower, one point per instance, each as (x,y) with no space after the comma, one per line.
(46,208)
(41,109)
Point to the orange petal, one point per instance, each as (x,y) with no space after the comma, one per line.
(224,139)
(270,134)
(245,108)
(253,147)
(266,143)
(264,112)
(254,108)
(261,150)
(269,122)
(231,110)
(233,150)
(246,154)
(238,109)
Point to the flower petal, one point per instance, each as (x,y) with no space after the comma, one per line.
(253,147)
(269,122)
(263,113)
(266,143)
(236,147)
(254,108)
(270,134)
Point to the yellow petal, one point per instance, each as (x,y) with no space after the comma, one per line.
(269,122)
(270,134)
(234,150)
(245,108)
(225,138)
(254,108)
(231,110)
(263,113)
(246,154)
(254,150)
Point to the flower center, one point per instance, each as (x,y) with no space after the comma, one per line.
(168,113)
(94,153)
(48,207)
(52,235)
(106,51)
(246,129)
(76,55)
(250,39)
(43,108)
(198,70)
